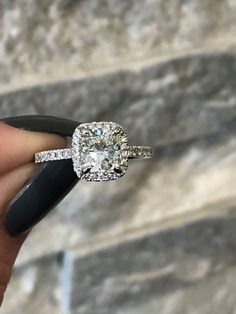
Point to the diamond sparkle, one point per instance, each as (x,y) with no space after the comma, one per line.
(99,151)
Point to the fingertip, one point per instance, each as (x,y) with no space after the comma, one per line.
(18,146)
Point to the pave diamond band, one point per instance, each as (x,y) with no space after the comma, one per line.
(99,151)
(141,152)
(51,155)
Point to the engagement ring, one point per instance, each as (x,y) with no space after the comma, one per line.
(99,151)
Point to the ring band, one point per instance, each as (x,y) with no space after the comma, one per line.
(141,152)
(99,151)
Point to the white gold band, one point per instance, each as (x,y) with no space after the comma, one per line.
(67,153)
(99,151)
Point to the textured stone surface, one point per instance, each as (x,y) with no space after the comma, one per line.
(181,271)
(68,37)
(167,102)
(190,104)
(35,288)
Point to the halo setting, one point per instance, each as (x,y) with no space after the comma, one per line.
(99,151)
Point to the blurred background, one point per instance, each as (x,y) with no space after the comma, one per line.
(161,240)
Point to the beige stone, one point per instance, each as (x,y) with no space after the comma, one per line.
(57,39)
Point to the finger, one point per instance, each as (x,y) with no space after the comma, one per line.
(18,147)
(43,192)
(10,184)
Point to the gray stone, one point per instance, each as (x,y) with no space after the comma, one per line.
(64,38)
(35,288)
(183,270)
(167,102)
(214,295)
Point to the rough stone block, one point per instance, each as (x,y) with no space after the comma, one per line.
(64,38)
(35,288)
(184,270)
(166,102)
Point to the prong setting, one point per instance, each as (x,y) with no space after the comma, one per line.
(98,151)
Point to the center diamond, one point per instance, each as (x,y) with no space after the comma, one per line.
(99,151)
(102,156)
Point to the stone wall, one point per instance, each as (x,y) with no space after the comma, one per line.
(46,40)
(162,239)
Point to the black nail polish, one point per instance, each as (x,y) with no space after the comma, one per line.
(41,194)
(38,123)
(52,182)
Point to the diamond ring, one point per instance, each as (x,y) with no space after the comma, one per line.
(99,151)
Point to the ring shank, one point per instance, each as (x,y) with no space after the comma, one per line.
(55,154)
(140,152)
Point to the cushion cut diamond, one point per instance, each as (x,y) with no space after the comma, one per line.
(99,151)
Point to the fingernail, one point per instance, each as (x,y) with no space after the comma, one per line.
(12,182)
(51,183)
(39,123)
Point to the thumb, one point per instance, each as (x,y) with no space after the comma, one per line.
(10,184)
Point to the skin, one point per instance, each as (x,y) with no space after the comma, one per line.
(17,149)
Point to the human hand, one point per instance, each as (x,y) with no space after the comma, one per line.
(17,149)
